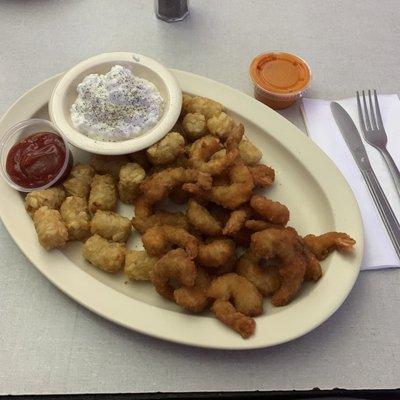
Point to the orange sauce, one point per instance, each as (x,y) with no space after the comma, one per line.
(279,78)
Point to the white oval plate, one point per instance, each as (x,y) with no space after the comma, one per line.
(307,182)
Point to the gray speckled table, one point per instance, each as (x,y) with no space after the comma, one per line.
(48,343)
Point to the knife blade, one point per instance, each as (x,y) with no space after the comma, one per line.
(351,136)
(356,146)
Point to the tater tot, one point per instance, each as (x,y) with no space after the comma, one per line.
(249,153)
(50,228)
(185,102)
(74,211)
(103,194)
(209,108)
(220,125)
(111,225)
(108,164)
(194,125)
(130,176)
(167,149)
(138,265)
(52,198)
(79,180)
(106,255)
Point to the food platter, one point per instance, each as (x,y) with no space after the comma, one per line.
(307,182)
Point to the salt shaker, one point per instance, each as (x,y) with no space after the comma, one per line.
(171,10)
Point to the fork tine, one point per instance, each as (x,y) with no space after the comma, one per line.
(378,111)
(373,120)
(367,121)
(360,113)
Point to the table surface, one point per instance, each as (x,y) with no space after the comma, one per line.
(50,344)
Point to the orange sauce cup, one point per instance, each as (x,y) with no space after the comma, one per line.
(279,78)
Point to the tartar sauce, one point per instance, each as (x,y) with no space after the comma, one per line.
(116,106)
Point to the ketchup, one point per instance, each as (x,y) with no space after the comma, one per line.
(36,160)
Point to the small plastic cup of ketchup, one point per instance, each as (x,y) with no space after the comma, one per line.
(279,78)
(34,155)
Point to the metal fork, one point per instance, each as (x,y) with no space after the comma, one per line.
(374,132)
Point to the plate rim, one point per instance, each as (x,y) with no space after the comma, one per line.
(293,138)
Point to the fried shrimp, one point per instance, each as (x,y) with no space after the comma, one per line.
(313,267)
(271,211)
(174,267)
(243,294)
(202,220)
(218,255)
(263,175)
(228,315)
(158,240)
(285,244)
(194,298)
(265,279)
(146,218)
(167,149)
(229,196)
(324,244)
(256,225)
(209,108)
(236,221)
(157,186)
(201,151)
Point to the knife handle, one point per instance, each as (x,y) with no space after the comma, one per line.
(384,208)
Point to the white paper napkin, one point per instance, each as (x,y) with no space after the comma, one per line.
(322,129)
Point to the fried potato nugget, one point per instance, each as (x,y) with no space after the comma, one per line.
(175,266)
(138,265)
(74,212)
(130,176)
(103,194)
(218,255)
(209,108)
(50,228)
(103,254)
(202,220)
(249,153)
(79,180)
(220,125)
(194,126)
(324,244)
(271,211)
(158,240)
(52,198)
(167,149)
(185,102)
(111,225)
(108,164)
(265,279)
(194,298)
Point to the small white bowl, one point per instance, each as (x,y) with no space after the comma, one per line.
(64,95)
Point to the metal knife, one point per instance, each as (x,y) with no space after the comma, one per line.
(356,146)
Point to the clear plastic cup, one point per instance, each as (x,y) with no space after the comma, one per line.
(20,131)
(279,78)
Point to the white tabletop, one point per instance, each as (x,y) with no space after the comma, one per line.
(50,344)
